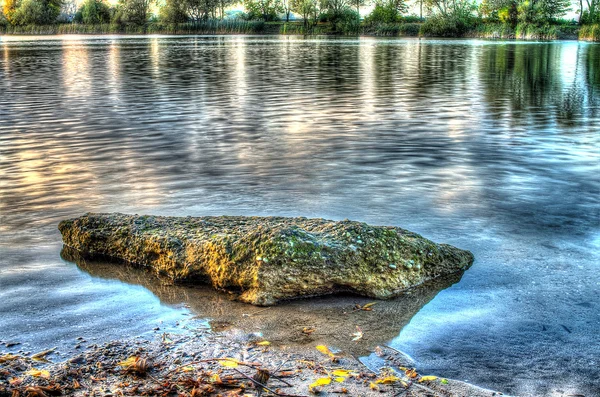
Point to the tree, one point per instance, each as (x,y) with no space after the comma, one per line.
(387,11)
(173,11)
(286,7)
(266,9)
(308,9)
(9,8)
(336,10)
(591,14)
(37,12)
(94,12)
(505,11)
(134,11)
(357,4)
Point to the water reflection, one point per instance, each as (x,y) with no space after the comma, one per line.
(490,146)
(332,318)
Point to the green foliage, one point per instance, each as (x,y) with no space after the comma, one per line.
(36,12)
(8,10)
(387,12)
(308,9)
(590,32)
(229,26)
(173,11)
(589,12)
(93,12)
(409,29)
(454,19)
(135,12)
(266,10)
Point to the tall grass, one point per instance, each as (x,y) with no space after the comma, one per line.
(590,32)
(233,26)
(295,28)
(393,29)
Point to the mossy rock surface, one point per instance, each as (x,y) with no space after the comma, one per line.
(268,259)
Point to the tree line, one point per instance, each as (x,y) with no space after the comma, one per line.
(440,17)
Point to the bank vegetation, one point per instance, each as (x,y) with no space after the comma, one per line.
(502,19)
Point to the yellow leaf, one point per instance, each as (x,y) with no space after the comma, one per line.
(37,373)
(373,386)
(368,305)
(264,343)
(7,357)
(320,382)
(341,372)
(427,378)
(129,362)
(387,380)
(340,379)
(229,363)
(215,379)
(325,350)
(187,369)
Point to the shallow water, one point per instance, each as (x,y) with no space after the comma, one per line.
(490,146)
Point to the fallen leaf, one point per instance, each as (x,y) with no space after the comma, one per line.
(264,343)
(38,373)
(411,373)
(308,330)
(427,378)
(340,379)
(358,334)
(129,362)
(8,357)
(373,386)
(325,350)
(341,372)
(229,363)
(368,305)
(444,381)
(320,382)
(388,380)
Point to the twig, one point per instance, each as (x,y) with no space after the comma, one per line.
(264,386)
(251,365)
(255,313)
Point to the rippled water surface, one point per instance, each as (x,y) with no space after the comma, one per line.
(490,146)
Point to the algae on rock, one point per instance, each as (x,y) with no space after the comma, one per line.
(269,259)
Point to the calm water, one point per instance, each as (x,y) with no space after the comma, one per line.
(491,146)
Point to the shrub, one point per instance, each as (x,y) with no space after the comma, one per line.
(590,32)
(448,26)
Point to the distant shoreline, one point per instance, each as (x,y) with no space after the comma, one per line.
(400,30)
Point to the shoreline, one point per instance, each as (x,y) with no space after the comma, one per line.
(259,28)
(204,363)
(474,37)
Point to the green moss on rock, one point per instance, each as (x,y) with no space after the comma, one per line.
(268,259)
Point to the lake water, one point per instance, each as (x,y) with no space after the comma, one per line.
(491,146)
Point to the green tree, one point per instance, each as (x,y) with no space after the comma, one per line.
(589,12)
(37,12)
(505,11)
(173,11)
(387,11)
(94,12)
(309,9)
(133,11)
(267,10)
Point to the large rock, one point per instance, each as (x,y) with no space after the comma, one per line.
(268,259)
